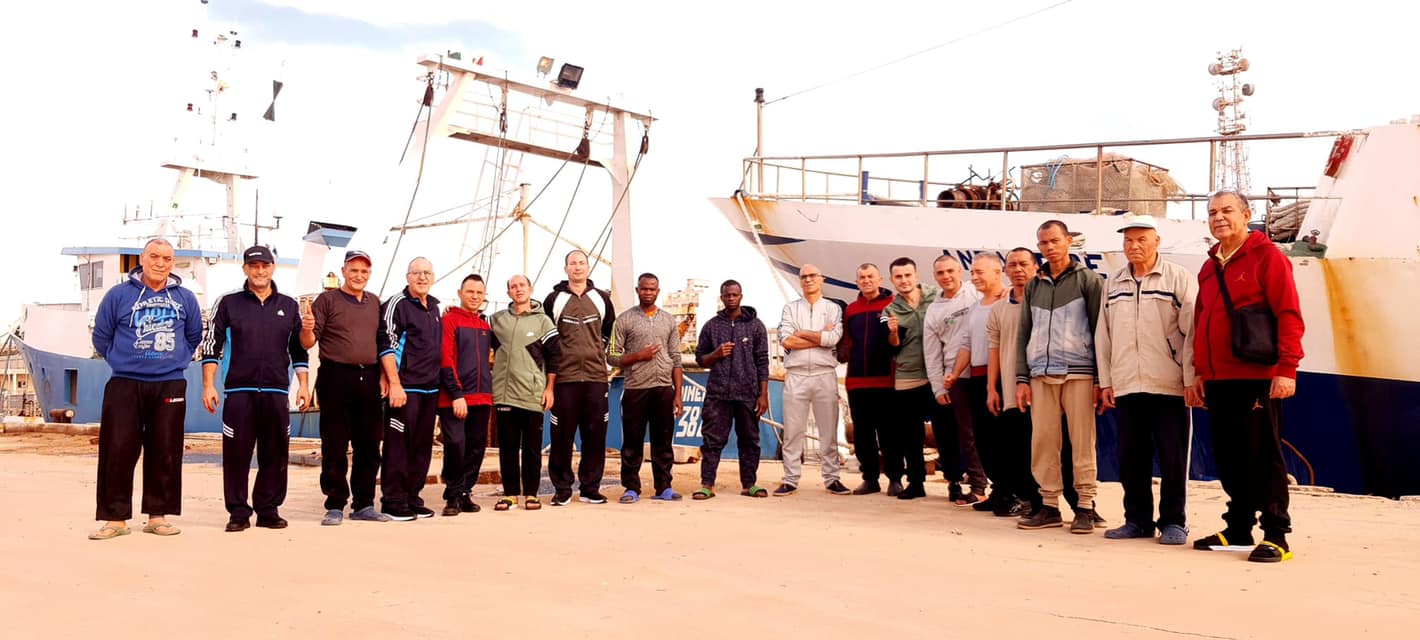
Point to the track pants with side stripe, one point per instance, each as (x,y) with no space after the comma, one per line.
(260,421)
(409,445)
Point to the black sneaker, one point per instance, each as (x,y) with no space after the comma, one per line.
(785,490)
(422,512)
(913,491)
(467,505)
(1013,507)
(836,488)
(399,514)
(561,498)
(1043,518)
(867,488)
(894,488)
(271,522)
(451,508)
(592,498)
(238,524)
(953,491)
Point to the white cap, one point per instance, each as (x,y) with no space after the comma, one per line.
(1138,222)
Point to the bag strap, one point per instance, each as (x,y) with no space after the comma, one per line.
(1223,286)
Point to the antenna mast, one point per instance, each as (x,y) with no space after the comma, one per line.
(1230,160)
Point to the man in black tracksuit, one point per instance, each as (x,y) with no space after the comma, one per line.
(410,356)
(263,327)
(584,317)
(734,345)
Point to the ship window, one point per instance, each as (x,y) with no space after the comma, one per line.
(71,385)
(91,275)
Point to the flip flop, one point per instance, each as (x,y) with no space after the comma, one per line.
(703,493)
(161,529)
(629,497)
(667,495)
(531,503)
(506,504)
(109,532)
(756,492)
(1268,551)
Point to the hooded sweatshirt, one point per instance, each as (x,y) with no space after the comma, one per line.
(584,324)
(1057,335)
(148,335)
(464,368)
(525,351)
(739,376)
(1258,273)
(910,360)
(865,343)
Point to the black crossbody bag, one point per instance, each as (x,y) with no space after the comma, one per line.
(1254,326)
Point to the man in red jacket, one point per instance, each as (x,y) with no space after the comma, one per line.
(465,395)
(1243,397)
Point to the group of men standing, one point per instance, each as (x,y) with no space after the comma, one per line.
(1011,380)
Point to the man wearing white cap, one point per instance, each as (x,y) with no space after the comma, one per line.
(1144,351)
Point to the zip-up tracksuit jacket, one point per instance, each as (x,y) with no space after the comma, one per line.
(464,368)
(584,326)
(412,332)
(1144,337)
(739,376)
(147,335)
(865,341)
(1058,324)
(268,336)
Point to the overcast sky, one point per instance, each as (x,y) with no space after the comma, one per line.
(95,93)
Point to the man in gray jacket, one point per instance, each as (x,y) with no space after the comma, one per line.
(809,328)
(1144,350)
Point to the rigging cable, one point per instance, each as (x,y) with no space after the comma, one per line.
(419,176)
(606,228)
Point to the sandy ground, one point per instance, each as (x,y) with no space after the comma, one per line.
(809,566)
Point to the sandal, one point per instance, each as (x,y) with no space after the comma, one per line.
(1220,542)
(109,532)
(505,504)
(969,499)
(531,503)
(703,493)
(161,529)
(1269,551)
(756,492)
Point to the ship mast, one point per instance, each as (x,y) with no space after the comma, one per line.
(1230,169)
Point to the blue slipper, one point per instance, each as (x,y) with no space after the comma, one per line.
(1173,534)
(667,495)
(629,497)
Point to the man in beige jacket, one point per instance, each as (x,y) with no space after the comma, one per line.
(1144,350)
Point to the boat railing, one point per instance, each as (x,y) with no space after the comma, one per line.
(914,178)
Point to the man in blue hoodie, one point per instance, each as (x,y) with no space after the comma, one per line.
(146,329)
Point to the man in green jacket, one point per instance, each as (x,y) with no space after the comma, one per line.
(912,391)
(525,351)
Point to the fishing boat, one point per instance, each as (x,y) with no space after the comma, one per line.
(1352,234)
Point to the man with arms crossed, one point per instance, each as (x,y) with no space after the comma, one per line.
(809,328)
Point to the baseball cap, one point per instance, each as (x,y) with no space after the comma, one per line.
(358,254)
(258,253)
(1138,222)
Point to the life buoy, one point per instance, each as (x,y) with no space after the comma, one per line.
(1340,150)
